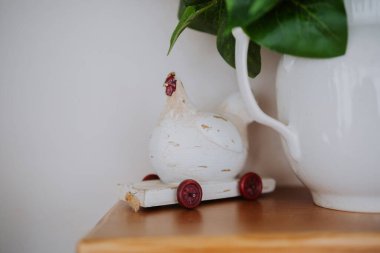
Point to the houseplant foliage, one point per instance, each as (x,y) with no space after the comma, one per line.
(305,28)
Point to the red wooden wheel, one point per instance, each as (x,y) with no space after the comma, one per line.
(189,194)
(250,186)
(151,177)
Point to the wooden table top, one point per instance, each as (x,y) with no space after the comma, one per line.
(283,221)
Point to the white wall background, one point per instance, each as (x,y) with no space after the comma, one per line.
(80,91)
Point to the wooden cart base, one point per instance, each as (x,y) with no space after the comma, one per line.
(156,193)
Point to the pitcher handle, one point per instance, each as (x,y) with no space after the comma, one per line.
(241,51)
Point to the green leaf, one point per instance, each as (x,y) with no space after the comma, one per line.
(194,2)
(243,12)
(226,47)
(314,28)
(207,21)
(189,14)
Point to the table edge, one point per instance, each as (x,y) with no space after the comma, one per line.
(270,242)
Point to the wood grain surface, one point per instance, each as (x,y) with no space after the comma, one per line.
(283,221)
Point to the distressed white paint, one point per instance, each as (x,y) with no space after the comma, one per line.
(187,143)
(233,109)
(156,193)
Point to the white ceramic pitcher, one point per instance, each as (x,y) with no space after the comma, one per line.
(329,113)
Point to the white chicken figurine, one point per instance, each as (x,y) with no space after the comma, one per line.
(197,155)
(187,143)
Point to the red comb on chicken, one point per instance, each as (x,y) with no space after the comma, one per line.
(170,84)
